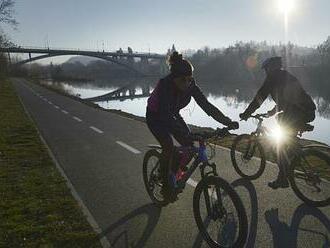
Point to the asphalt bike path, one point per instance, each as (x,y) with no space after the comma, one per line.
(101,154)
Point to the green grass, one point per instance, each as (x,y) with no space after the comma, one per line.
(36,207)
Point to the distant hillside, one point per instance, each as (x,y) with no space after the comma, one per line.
(81,59)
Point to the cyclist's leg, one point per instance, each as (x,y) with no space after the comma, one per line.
(163,136)
(291,121)
(182,134)
(287,122)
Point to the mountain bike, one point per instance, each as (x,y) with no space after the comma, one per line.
(307,168)
(218,210)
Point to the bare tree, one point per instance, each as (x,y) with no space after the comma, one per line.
(6,12)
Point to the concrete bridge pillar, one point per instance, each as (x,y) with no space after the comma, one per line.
(146,90)
(9,58)
(132,92)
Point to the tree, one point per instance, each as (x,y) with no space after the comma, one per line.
(6,12)
(6,17)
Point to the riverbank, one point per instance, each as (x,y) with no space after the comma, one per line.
(36,207)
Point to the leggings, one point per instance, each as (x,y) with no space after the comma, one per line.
(164,133)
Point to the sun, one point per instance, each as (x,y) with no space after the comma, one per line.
(286,6)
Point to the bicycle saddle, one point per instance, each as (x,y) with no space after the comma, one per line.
(306,128)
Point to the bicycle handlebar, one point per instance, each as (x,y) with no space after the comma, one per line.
(219,132)
(260,116)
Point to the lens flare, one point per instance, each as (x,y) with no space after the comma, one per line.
(277,133)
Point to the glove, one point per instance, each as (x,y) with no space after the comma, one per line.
(233,125)
(244,116)
(272,112)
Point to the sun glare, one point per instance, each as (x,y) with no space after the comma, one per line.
(277,133)
(286,6)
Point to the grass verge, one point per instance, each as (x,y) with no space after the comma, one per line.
(36,206)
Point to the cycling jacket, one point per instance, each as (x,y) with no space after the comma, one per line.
(285,90)
(166,101)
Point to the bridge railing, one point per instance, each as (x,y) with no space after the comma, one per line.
(101,51)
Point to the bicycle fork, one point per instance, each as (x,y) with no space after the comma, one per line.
(213,202)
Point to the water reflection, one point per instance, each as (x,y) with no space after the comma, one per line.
(231,101)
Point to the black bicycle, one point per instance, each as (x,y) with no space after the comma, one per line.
(308,166)
(218,210)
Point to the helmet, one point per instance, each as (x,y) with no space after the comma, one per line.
(272,61)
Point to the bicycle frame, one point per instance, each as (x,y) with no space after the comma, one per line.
(200,160)
(293,144)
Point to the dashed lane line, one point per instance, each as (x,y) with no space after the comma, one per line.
(96,129)
(65,112)
(77,119)
(131,149)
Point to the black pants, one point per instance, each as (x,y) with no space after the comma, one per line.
(292,121)
(163,133)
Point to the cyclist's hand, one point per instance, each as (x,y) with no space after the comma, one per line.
(233,125)
(270,113)
(244,116)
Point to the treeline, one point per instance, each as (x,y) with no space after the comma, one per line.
(236,70)
(232,70)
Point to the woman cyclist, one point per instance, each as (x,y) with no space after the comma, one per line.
(171,94)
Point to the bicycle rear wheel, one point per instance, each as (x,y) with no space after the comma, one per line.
(219,213)
(152,177)
(310,177)
(244,148)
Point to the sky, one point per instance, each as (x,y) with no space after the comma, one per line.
(155,25)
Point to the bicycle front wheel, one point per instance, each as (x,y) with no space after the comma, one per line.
(219,213)
(242,153)
(310,177)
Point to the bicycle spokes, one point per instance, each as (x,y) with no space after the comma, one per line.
(311,176)
(154,181)
(220,218)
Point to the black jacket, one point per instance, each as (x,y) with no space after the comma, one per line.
(166,102)
(286,91)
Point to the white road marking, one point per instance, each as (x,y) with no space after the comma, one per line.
(96,129)
(77,119)
(65,112)
(192,182)
(56,106)
(131,149)
(50,102)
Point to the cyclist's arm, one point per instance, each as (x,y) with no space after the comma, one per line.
(208,107)
(260,97)
(273,111)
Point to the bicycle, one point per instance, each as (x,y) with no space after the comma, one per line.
(211,196)
(307,169)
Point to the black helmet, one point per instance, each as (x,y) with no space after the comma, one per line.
(272,61)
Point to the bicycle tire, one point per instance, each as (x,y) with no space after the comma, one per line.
(295,188)
(228,189)
(146,177)
(234,149)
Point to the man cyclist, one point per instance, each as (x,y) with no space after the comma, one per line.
(296,106)
(171,94)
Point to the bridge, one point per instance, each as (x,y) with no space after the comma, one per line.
(125,59)
(124,93)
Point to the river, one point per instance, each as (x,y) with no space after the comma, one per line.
(193,114)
